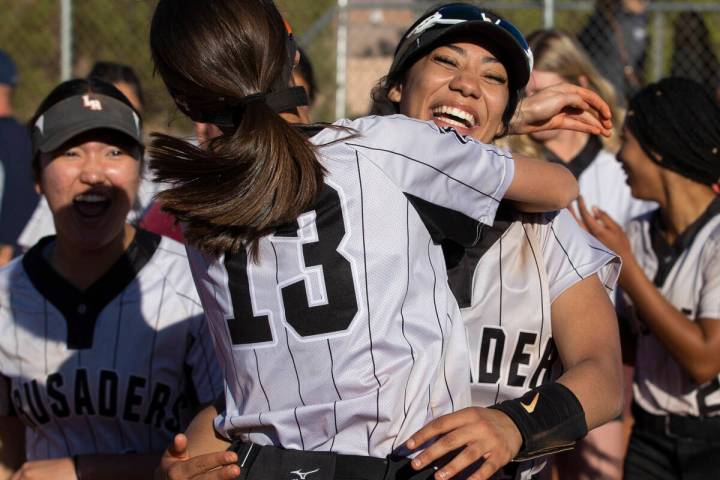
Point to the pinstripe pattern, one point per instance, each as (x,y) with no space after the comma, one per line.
(402,316)
(367,299)
(152,354)
(536,256)
(365,382)
(691,285)
(149,303)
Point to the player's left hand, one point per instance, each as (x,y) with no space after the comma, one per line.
(562,107)
(605,229)
(57,469)
(478,433)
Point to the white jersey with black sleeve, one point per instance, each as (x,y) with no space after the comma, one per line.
(505,286)
(688,276)
(117,368)
(344,336)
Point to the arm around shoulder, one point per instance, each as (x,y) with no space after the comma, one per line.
(540,186)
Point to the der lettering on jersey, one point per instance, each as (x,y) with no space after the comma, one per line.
(117,368)
(506,285)
(344,336)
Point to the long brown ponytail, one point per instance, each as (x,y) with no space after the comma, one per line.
(260,174)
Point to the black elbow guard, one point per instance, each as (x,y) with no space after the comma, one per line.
(550,419)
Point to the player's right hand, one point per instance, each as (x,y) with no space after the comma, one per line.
(483,437)
(178,464)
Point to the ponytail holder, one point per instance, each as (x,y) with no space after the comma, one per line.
(280,101)
(716,188)
(255,97)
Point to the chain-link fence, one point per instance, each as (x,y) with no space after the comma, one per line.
(630,41)
(350,42)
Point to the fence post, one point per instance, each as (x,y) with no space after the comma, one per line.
(658,46)
(548,14)
(66,27)
(341,60)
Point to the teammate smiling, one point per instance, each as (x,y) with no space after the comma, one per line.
(103,346)
(528,290)
(671,278)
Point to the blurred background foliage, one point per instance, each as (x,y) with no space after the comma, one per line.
(117,30)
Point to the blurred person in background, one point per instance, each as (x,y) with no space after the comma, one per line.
(693,54)
(18,197)
(616,38)
(124,78)
(104,351)
(671,279)
(558,60)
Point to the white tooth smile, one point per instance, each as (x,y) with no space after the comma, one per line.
(459,114)
(91,198)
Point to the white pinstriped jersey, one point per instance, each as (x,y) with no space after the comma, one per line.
(506,285)
(118,368)
(688,276)
(345,336)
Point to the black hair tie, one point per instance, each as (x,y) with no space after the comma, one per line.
(280,101)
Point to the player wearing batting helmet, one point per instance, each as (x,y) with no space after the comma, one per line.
(104,350)
(532,288)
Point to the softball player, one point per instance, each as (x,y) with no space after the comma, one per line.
(103,345)
(507,285)
(317,262)
(671,279)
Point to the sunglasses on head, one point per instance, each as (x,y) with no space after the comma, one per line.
(459,13)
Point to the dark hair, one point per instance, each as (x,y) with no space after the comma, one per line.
(382,105)
(72,88)
(117,72)
(212,56)
(693,56)
(676,121)
(305,69)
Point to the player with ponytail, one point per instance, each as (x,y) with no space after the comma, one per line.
(316,252)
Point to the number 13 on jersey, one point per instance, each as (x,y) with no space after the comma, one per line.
(305,280)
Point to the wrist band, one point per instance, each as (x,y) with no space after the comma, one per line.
(550,419)
(76,465)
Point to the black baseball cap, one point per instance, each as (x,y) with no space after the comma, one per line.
(439,22)
(79,114)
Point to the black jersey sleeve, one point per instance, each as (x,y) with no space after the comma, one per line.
(6,406)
